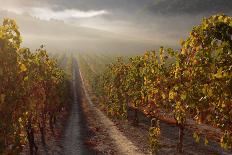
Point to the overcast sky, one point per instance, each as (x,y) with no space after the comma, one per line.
(133,24)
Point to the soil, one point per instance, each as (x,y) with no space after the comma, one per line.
(76,129)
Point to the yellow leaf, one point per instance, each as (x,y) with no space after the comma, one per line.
(220,17)
(1,71)
(182,42)
(152,70)
(223,105)
(23,68)
(26,78)
(172,95)
(219,73)
(2,98)
(226,20)
(163,96)
(20,120)
(210,92)
(206,141)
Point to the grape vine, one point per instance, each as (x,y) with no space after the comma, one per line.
(192,83)
(32,92)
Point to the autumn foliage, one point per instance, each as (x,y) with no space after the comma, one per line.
(192,83)
(32,91)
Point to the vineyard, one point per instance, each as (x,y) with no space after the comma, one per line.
(190,87)
(33,92)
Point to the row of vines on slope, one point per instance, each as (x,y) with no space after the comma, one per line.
(193,83)
(87,71)
(32,92)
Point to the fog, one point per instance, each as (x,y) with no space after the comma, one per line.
(108,25)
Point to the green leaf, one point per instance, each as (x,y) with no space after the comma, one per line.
(219,73)
(183,96)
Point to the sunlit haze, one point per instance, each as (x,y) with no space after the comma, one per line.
(108,25)
(116,77)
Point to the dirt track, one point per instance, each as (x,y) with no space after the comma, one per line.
(76,130)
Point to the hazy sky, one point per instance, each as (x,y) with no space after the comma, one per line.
(110,24)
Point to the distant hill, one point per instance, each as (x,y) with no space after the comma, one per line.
(57,35)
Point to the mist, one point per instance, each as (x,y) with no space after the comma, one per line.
(107,26)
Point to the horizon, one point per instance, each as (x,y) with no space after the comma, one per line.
(108,26)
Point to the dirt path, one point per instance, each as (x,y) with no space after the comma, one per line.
(76,129)
(123,144)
